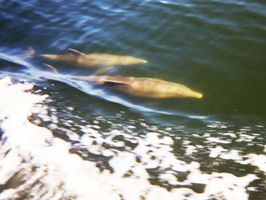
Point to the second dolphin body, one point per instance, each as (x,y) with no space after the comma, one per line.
(143,87)
(94,59)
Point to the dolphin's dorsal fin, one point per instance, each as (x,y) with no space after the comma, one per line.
(113,83)
(29,53)
(76,52)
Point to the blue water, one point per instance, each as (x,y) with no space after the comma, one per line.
(215,47)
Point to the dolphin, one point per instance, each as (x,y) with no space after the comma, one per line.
(94,59)
(143,87)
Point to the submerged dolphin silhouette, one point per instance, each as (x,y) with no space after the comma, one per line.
(94,59)
(143,87)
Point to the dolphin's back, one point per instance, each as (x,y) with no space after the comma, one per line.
(95,59)
(146,87)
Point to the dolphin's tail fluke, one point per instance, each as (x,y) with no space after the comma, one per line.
(29,53)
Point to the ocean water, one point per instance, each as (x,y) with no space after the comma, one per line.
(63,138)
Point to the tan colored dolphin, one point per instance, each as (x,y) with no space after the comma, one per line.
(94,59)
(143,87)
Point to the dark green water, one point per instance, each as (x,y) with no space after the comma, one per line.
(215,47)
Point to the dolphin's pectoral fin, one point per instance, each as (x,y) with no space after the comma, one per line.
(103,70)
(52,68)
(76,52)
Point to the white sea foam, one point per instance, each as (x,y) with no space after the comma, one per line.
(37,165)
(258,160)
